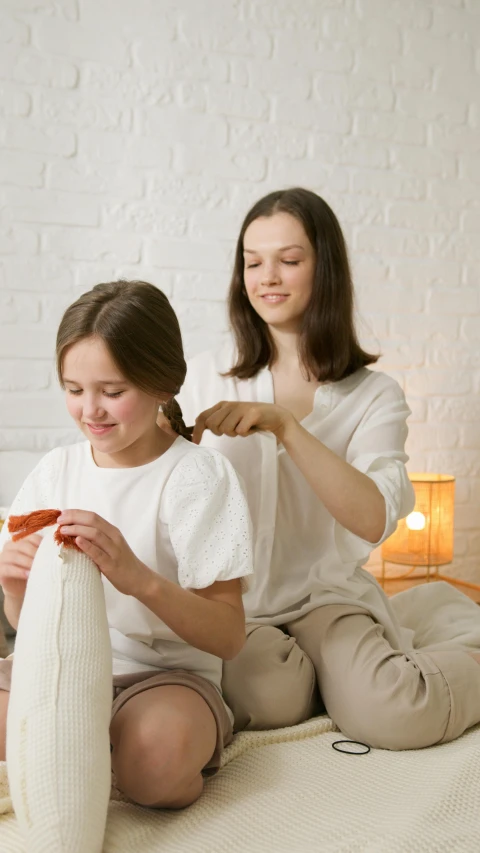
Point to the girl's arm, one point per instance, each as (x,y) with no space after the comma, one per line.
(12,607)
(209,526)
(16,558)
(350,496)
(211,619)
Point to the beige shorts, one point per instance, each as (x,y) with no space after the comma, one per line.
(126,686)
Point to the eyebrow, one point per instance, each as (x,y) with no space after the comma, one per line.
(282,248)
(100,381)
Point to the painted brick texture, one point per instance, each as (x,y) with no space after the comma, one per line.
(135,135)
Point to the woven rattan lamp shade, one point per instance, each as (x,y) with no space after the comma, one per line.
(425,537)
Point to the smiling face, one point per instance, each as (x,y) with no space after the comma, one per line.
(118,418)
(279,268)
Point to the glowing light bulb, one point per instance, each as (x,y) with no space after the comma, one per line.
(415,521)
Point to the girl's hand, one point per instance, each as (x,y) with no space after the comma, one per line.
(231,418)
(16,561)
(108,549)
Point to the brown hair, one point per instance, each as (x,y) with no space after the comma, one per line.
(140,329)
(328,346)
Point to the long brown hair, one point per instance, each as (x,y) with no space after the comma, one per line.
(328,345)
(140,329)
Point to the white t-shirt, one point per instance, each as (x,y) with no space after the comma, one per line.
(184,515)
(303,557)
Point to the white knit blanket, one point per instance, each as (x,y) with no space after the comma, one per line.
(288,791)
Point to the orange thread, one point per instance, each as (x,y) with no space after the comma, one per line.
(66,541)
(24,525)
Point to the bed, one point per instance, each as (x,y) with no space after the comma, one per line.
(288,791)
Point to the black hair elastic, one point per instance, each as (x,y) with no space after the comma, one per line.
(364,751)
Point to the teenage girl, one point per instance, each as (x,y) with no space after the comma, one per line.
(319,440)
(167,524)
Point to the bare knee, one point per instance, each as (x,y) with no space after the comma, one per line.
(155,770)
(271,683)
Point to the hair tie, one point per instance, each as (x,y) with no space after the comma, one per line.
(363,751)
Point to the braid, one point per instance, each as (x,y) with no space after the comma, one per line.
(173,413)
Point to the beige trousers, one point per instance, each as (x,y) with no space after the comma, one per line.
(374,693)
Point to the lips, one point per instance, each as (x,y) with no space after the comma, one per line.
(100,429)
(273,298)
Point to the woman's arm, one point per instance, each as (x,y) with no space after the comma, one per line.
(351,497)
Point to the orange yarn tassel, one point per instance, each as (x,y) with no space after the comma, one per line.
(24,525)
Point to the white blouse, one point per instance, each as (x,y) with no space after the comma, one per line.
(184,515)
(303,558)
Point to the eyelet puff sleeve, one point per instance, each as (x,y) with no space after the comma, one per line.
(377,449)
(37,491)
(208,519)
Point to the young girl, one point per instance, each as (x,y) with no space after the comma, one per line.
(322,455)
(167,524)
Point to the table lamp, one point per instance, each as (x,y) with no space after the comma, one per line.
(425,537)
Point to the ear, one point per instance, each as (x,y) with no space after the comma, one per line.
(164,399)
(164,423)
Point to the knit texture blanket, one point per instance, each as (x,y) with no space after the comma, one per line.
(288,791)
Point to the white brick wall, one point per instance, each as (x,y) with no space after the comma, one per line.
(136,133)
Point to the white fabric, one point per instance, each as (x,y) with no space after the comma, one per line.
(184,515)
(288,791)
(58,745)
(438,617)
(303,557)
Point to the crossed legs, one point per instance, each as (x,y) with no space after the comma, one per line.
(373,692)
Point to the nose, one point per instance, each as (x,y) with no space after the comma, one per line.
(93,408)
(270,274)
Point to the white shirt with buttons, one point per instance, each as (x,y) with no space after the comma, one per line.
(302,557)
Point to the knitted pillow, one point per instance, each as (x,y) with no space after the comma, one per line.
(58,747)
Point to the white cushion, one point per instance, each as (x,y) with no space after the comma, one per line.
(58,748)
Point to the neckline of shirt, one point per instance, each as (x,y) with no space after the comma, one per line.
(324,394)
(174,447)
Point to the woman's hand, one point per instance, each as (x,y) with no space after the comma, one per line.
(16,561)
(231,418)
(108,549)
